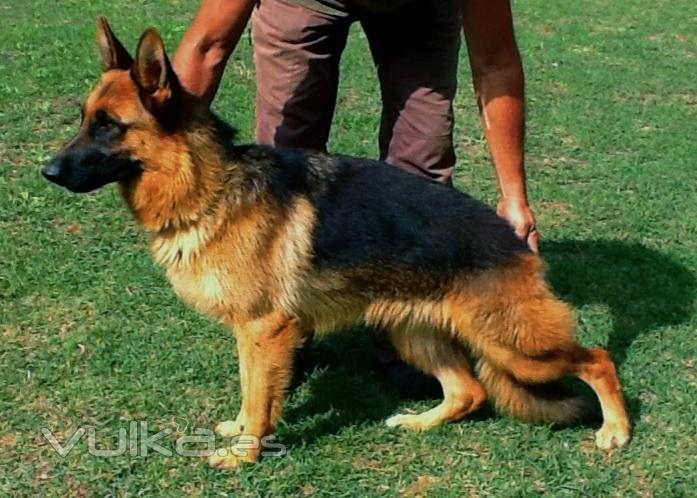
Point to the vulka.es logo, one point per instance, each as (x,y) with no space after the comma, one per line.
(138,441)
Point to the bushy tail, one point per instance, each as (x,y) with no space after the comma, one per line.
(536,403)
(524,339)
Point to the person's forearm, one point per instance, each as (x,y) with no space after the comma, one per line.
(204,50)
(500,95)
(499,84)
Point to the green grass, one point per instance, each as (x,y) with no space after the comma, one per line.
(91,334)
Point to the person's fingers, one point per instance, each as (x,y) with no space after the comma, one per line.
(523,222)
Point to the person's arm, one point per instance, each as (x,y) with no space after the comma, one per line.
(203,52)
(499,86)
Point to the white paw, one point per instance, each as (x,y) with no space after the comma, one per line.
(223,458)
(408,421)
(233,457)
(229,428)
(612,435)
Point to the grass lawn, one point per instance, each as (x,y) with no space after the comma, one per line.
(92,335)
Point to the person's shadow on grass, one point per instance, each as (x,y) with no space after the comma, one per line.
(643,289)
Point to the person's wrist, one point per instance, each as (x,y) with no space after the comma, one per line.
(515,200)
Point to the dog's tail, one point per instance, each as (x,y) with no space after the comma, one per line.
(523,337)
(550,402)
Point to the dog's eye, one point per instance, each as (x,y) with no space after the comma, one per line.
(104,123)
(103,118)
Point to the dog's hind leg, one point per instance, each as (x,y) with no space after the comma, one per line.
(524,339)
(598,371)
(433,352)
(266,349)
(593,366)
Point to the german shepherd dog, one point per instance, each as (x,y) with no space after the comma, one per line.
(277,244)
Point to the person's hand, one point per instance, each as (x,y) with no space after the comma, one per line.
(518,213)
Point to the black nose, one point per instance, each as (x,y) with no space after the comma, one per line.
(52,171)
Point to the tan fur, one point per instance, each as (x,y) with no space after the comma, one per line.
(248,263)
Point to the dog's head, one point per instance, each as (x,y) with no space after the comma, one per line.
(127,120)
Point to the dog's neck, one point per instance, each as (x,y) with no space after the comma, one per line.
(182,185)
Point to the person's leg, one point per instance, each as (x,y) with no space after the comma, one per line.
(296,54)
(416,50)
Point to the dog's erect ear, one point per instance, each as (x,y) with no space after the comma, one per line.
(114,55)
(153,72)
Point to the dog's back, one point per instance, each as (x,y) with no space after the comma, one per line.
(370,214)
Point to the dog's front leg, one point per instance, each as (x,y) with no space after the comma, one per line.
(266,350)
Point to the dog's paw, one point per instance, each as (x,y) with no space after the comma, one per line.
(229,428)
(230,458)
(224,459)
(612,435)
(413,422)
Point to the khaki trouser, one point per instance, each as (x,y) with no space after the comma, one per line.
(415,49)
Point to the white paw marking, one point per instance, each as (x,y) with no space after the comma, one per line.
(229,428)
(612,435)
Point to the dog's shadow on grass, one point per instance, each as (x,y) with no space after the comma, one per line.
(343,389)
(643,290)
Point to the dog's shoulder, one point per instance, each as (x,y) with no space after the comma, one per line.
(284,172)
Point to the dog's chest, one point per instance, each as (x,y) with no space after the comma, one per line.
(204,288)
(193,274)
